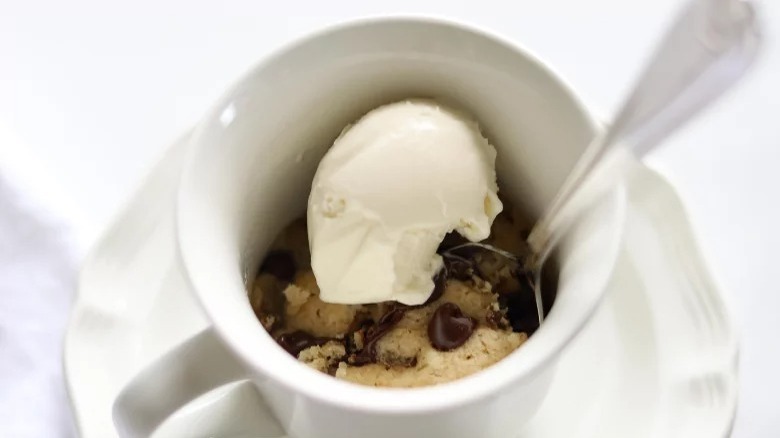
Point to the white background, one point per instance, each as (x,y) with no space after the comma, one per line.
(96,89)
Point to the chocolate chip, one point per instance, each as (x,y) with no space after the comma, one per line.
(374,333)
(449,328)
(385,323)
(298,341)
(280,264)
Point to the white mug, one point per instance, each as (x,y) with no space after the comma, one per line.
(249,172)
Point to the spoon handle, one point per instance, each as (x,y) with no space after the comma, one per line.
(708,47)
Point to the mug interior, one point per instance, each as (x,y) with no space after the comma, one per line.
(255,154)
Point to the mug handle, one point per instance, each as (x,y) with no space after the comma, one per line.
(193,368)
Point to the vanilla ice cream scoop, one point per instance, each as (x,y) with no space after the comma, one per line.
(387,192)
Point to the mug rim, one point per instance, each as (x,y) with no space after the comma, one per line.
(324,388)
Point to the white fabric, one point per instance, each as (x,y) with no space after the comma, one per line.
(38,261)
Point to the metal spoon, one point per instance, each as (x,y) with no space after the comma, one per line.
(709,47)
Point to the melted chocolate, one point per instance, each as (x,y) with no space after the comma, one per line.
(518,307)
(459,269)
(521,307)
(449,328)
(439,284)
(374,333)
(280,264)
(298,341)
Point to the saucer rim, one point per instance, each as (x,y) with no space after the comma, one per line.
(137,196)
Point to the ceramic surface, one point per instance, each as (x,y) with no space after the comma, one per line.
(658,359)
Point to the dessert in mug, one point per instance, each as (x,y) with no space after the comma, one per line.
(382,283)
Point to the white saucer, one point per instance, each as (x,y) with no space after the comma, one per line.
(658,360)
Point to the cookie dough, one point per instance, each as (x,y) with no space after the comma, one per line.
(464,328)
